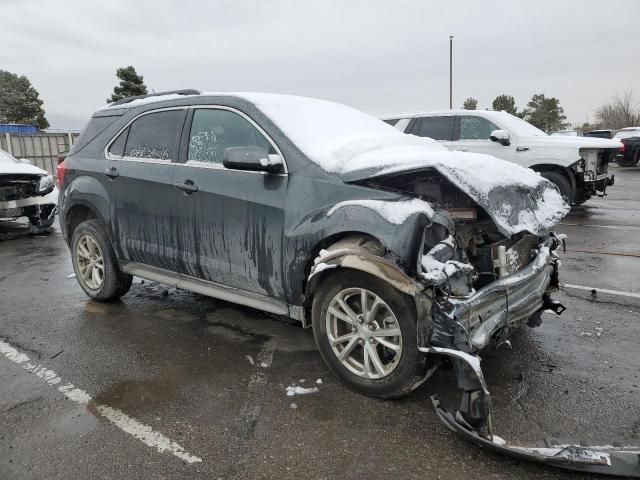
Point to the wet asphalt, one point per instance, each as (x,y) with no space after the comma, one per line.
(187,366)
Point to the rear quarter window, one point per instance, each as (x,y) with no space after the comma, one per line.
(95,127)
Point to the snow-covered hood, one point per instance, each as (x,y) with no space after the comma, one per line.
(516,198)
(568,142)
(20,168)
(354,146)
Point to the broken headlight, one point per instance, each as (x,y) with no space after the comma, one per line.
(45,184)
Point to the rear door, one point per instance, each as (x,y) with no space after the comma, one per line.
(229,223)
(141,172)
(474,136)
(440,128)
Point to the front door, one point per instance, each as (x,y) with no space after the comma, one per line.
(474,136)
(229,222)
(142,171)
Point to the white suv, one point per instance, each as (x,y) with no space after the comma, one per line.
(577,165)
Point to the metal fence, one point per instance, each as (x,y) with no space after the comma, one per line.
(42,149)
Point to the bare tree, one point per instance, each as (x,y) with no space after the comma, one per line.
(622,111)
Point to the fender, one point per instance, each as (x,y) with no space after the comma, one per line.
(359,252)
(88,192)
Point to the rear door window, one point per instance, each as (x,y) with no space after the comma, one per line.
(438,128)
(476,128)
(155,136)
(215,130)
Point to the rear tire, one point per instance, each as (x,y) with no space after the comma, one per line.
(562,182)
(95,263)
(386,336)
(628,160)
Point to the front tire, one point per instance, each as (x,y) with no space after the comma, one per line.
(372,349)
(95,264)
(561,182)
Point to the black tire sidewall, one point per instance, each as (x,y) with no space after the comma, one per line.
(412,366)
(112,283)
(560,181)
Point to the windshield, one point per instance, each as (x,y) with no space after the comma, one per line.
(518,126)
(627,134)
(331,134)
(5,158)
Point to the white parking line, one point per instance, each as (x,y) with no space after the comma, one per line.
(612,227)
(124,422)
(602,290)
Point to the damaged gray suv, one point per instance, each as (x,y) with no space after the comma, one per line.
(392,248)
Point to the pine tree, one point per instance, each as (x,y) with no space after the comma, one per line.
(506,103)
(20,102)
(545,113)
(131,84)
(470,104)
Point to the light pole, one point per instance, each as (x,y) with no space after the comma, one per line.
(450,72)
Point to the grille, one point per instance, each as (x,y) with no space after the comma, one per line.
(15,187)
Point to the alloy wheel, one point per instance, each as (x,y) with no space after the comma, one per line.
(364,333)
(90,262)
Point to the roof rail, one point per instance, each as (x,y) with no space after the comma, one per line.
(188,91)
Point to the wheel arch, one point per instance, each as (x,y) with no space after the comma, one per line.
(77,214)
(564,171)
(362,252)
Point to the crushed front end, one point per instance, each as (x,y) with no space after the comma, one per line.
(485,287)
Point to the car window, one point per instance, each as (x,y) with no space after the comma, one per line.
(391,121)
(476,128)
(155,136)
(438,128)
(213,131)
(117,147)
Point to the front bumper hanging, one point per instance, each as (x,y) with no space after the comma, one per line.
(608,460)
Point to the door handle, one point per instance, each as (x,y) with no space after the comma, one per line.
(463,149)
(188,187)
(111,172)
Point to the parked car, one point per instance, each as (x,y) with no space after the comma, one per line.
(577,165)
(566,133)
(629,154)
(604,133)
(26,191)
(393,249)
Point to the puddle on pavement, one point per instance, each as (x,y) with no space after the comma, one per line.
(76,422)
(183,316)
(135,395)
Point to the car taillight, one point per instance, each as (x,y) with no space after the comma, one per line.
(60,171)
(621,149)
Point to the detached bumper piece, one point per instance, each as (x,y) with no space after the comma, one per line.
(474,423)
(609,461)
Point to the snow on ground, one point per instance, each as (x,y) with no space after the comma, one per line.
(296,390)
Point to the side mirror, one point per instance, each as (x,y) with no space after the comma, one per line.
(500,136)
(26,161)
(255,159)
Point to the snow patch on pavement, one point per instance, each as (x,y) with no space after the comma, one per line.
(296,390)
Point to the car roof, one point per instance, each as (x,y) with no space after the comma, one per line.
(430,113)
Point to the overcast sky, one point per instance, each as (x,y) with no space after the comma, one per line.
(379,56)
